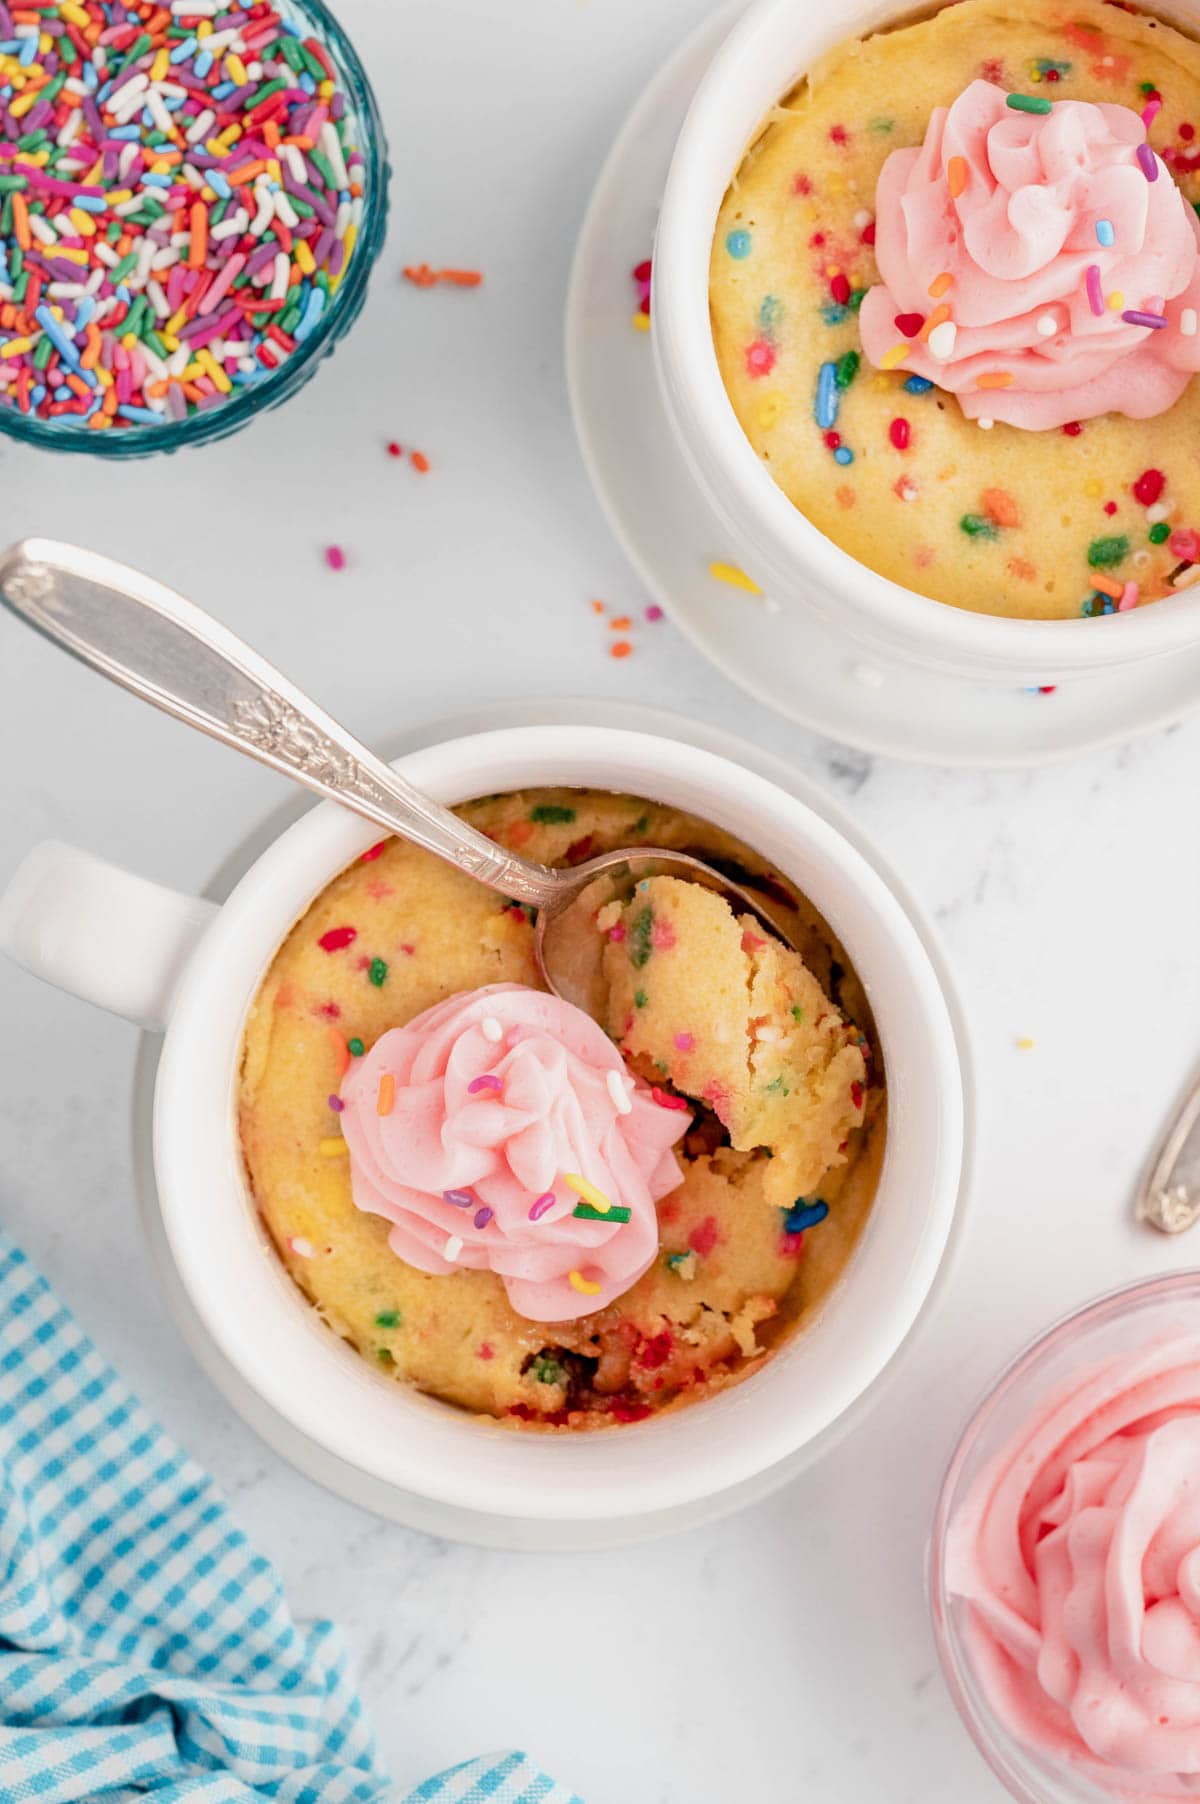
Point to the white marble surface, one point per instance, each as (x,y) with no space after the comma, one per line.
(784,1652)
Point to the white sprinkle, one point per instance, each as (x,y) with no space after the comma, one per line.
(1187,322)
(942,340)
(303,1249)
(1047,325)
(452,1248)
(862,219)
(619,1094)
(1187,577)
(985,422)
(907,489)
(868,675)
(491,1029)
(767,1035)
(1158,512)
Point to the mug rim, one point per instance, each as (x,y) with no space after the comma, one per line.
(731,103)
(248,1303)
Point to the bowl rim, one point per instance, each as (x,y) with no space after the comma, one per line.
(221,421)
(196,1075)
(743,77)
(1109,1304)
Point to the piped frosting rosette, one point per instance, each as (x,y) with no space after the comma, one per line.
(500,1131)
(1042,266)
(1078,1550)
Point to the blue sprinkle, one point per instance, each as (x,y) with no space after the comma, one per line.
(833,313)
(916,385)
(218,183)
(28,50)
(203,63)
(307,83)
(222,92)
(58,336)
(125,132)
(825,408)
(313,309)
(150,180)
(145,416)
(1104,232)
(803,1215)
(89,203)
(738,244)
(843,455)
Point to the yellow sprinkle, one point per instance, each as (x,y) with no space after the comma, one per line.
(75,14)
(333,1148)
(1116,301)
(588,1192)
(940,284)
(770,411)
(160,67)
(1093,488)
(176,321)
(66,250)
(737,579)
(83,222)
(387,1094)
(304,256)
(831,270)
(169,339)
(1024,1045)
(16,347)
(213,370)
(129,342)
(236,68)
(118,195)
(204,29)
(583,1285)
(641,321)
(326,90)
(896,355)
(24,103)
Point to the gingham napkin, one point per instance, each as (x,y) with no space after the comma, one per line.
(145,1648)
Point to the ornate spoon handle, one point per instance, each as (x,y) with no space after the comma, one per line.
(151,641)
(1170,1195)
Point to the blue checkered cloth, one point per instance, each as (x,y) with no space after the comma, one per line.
(145,1648)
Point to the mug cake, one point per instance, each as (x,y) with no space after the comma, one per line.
(954,291)
(558,1222)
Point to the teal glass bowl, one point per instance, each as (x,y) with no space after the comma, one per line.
(230,415)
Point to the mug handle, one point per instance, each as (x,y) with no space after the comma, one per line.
(100,932)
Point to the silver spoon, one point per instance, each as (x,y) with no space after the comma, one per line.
(1169,1196)
(165,649)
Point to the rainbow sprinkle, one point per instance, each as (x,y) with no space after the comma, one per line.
(590,1194)
(181,201)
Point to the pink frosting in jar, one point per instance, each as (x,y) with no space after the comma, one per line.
(993,234)
(467,1125)
(1078,1550)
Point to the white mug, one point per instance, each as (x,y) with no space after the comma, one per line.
(192,969)
(770,49)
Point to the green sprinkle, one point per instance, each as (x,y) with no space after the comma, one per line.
(388,1318)
(776,1087)
(355,1047)
(846,369)
(616,1212)
(639,999)
(1087,607)
(639,939)
(1028,103)
(797,1012)
(857,297)
(882,126)
(13,183)
(641,823)
(683,1264)
(551,815)
(378,972)
(1159,531)
(1106,554)
(547,1370)
(384,1356)
(978,526)
(1147,87)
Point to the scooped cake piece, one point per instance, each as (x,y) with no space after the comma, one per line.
(736,1019)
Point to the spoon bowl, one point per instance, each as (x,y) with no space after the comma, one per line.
(152,642)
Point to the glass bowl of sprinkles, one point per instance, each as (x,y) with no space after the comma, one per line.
(192,197)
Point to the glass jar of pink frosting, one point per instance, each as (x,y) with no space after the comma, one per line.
(1065,1559)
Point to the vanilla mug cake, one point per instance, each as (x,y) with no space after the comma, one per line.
(551,1221)
(954,292)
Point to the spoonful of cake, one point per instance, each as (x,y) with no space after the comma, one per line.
(151,641)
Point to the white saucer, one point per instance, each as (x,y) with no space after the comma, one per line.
(360,1488)
(792,663)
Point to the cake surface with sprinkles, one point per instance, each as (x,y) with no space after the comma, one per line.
(181,190)
(955,289)
(354,1049)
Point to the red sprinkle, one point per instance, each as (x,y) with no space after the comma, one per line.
(704,1238)
(642,271)
(337,938)
(1051,75)
(839,288)
(666,1101)
(622,1410)
(856,1095)
(832,439)
(373,852)
(1110,507)
(1187,132)
(868,233)
(898,433)
(760,357)
(395,450)
(909,323)
(1184,543)
(486,1350)
(838,134)
(1149,486)
(655,1350)
(1072,428)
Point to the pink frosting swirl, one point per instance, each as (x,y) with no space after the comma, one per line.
(1078,1549)
(491,1100)
(1007,205)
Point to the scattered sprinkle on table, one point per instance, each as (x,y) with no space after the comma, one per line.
(181,201)
(737,579)
(421,276)
(335,557)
